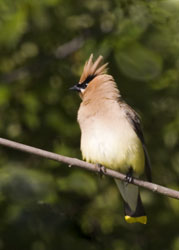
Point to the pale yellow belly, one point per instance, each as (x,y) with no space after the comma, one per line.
(116,148)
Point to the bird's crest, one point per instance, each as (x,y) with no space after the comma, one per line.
(93,69)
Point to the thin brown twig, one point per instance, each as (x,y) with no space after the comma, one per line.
(88,166)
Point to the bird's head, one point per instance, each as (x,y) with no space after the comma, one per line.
(90,73)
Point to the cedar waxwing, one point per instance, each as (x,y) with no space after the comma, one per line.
(111,134)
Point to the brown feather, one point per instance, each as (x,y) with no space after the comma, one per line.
(91,68)
(101,88)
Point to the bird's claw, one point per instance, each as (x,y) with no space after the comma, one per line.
(129,176)
(102,169)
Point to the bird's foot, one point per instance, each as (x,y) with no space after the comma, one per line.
(102,169)
(129,176)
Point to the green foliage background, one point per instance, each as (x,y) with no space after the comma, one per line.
(43,47)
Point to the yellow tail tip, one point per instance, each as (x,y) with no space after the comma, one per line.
(141,219)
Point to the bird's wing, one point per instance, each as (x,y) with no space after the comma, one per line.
(134,120)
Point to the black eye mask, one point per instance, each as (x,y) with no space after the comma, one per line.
(78,87)
(84,84)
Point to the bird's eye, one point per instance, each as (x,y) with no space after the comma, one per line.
(84,84)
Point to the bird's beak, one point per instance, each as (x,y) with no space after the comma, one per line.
(75,88)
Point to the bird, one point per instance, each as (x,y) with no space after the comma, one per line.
(111,134)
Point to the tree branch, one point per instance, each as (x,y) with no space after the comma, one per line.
(88,166)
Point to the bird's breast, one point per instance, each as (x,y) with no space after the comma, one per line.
(112,143)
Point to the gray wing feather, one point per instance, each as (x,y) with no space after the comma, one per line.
(134,120)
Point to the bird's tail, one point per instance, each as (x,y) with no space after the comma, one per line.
(133,208)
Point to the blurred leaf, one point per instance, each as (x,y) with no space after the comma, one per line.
(25,185)
(4,95)
(13,27)
(139,63)
(79,182)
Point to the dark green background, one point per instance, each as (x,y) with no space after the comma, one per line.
(45,205)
